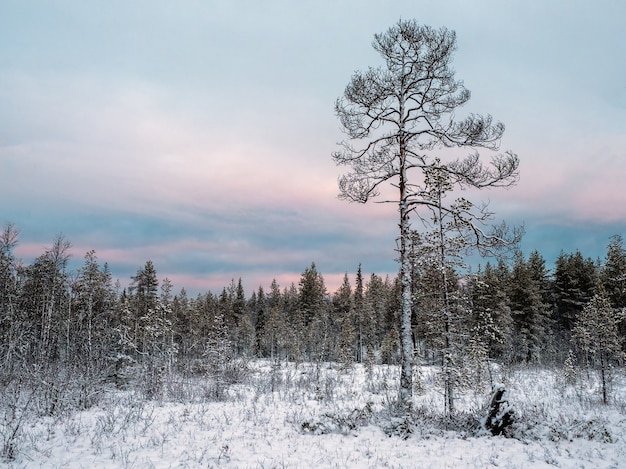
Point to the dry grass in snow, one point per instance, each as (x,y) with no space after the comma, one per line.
(321,416)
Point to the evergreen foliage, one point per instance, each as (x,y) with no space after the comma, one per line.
(345,319)
(492,323)
(53,318)
(596,334)
(531,315)
(574,281)
(613,279)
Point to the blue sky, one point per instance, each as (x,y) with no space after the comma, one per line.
(198,134)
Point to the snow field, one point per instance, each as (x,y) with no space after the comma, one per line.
(323,416)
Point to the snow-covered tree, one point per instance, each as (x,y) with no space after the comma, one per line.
(218,352)
(491,322)
(362,314)
(396,117)
(574,283)
(273,338)
(312,306)
(596,334)
(531,315)
(93,301)
(43,304)
(144,290)
(345,320)
(10,324)
(376,297)
(259,309)
(296,333)
(613,277)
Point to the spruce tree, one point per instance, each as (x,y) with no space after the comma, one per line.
(144,288)
(613,278)
(93,299)
(574,284)
(312,306)
(144,298)
(492,323)
(613,273)
(239,303)
(297,333)
(218,352)
(596,335)
(274,337)
(376,296)
(259,309)
(361,314)
(530,313)
(180,305)
(225,310)
(344,318)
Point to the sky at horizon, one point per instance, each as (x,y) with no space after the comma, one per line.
(198,134)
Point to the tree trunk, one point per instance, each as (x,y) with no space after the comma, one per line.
(406,336)
(603,376)
(406,339)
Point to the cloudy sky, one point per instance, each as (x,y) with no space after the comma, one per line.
(198,134)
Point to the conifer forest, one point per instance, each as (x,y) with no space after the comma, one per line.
(513,311)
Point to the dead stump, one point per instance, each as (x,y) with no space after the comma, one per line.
(500,414)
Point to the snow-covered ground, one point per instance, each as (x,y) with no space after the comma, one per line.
(322,416)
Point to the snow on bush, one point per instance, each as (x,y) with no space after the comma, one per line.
(318,415)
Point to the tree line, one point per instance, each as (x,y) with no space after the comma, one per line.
(512,312)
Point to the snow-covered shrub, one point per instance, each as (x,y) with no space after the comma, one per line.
(344,423)
(15,405)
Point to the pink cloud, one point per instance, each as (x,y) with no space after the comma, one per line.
(587,184)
